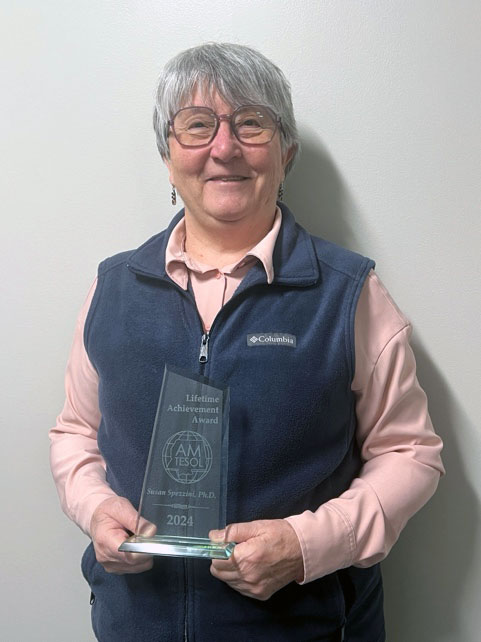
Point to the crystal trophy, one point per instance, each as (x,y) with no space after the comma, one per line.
(185,483)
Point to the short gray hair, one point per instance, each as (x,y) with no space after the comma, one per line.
(240,74)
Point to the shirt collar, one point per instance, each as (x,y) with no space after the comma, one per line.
(178,263)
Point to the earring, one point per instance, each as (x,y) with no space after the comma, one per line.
(173,196)
(280,193)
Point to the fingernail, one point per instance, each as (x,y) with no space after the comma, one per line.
(217,536)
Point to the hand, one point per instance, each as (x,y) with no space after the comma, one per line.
(112,522)
(267,556)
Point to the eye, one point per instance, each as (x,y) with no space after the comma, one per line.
(195,122)
(250,122)
(250,119)
(198,124)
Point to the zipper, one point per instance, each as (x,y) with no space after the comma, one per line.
(204,342)
(204,345)
(204,348)
(186,601)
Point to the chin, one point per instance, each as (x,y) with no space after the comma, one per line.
(232,210)
(229,216)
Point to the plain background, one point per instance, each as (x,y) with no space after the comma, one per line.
(387,96)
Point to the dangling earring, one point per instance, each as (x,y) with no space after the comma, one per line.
(280,193)
(173,196)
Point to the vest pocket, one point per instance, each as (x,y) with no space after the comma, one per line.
(87,563)
(347,589)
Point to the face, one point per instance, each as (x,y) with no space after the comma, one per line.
(226,180)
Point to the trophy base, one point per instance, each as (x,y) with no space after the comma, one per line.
(178,546)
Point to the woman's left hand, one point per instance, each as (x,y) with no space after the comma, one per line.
(267,556)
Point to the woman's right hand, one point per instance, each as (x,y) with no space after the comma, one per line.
(112,522)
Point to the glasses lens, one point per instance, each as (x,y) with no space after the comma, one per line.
(254,124)
(194,126)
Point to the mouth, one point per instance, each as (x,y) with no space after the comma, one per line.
(228,179)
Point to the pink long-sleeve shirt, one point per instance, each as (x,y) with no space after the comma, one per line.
(400,451)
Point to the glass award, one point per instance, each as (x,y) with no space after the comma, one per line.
(185,483)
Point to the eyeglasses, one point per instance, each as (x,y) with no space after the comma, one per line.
(251,125)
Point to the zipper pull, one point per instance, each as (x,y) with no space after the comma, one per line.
(204,348)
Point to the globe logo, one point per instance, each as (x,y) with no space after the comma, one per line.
(187,457)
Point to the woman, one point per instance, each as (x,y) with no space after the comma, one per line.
(331,448)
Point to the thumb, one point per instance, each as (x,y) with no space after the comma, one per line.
(236,532)
(127,516)
(146,528)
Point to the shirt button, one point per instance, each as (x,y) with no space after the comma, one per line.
(218,275)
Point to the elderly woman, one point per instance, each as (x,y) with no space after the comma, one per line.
(331,447)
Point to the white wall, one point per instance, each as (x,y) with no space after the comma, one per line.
(388,100)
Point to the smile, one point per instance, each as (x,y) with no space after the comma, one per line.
(228,179)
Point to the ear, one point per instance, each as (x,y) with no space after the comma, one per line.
(288,156)
(168,164)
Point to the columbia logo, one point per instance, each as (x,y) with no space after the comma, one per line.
(271,339)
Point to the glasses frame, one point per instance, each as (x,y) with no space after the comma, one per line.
(227,117)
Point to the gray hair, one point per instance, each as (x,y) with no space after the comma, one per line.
(241,76)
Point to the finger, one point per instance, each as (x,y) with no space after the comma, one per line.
(239,532)
(136,559)
(223,574)
(242,531)
(217,535)
(120,568)
(232,579)
(224,565)
(232,569)
(110,540)
(119,562)
(146,528)
(107,547)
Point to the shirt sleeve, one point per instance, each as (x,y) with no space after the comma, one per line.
(399,448)
(77,466)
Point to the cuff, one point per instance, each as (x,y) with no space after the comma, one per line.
(327,541)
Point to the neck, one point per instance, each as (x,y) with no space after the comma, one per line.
(221,243)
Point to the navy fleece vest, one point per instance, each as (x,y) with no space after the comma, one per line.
(292,426)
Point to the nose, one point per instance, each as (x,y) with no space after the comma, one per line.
(225,145)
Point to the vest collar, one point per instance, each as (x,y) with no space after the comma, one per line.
(295,262)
